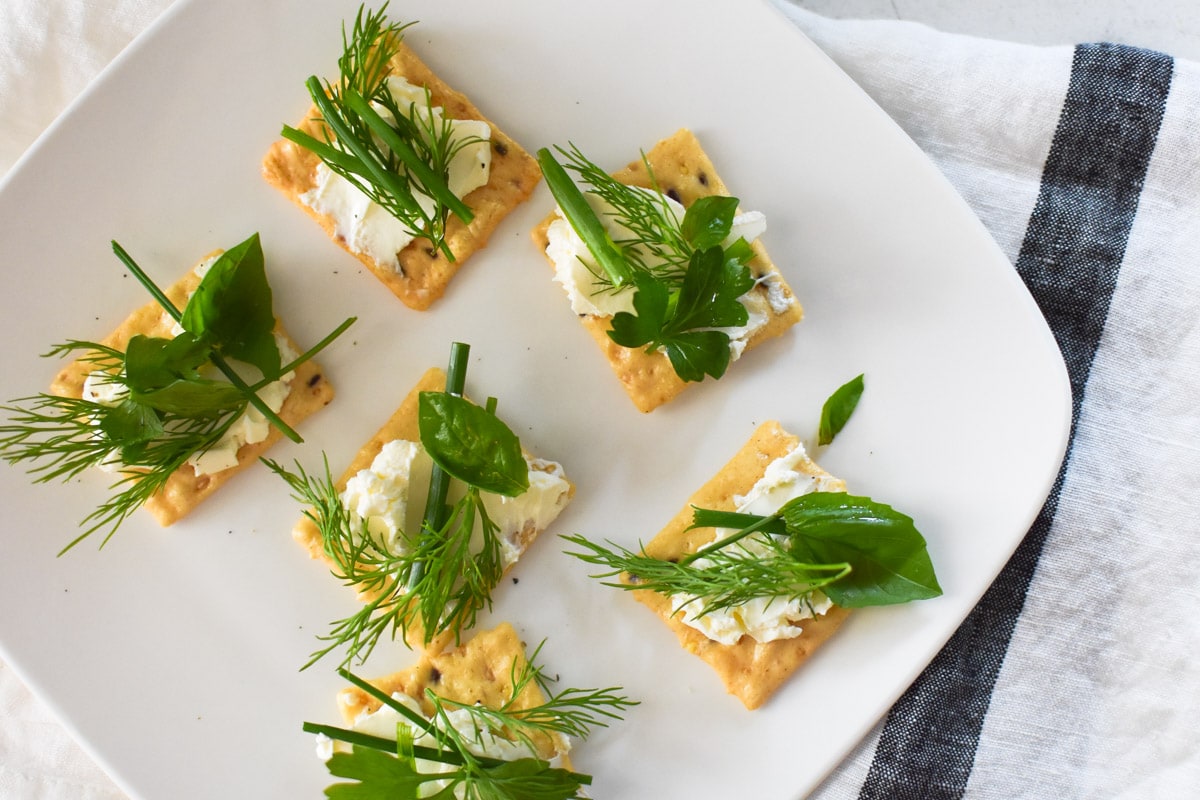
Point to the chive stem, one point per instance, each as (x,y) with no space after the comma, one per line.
(434,517)
(583,219)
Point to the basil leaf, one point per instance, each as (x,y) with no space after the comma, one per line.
(838,408)
(194,399)
(152,362)
(888,558)
(472,444)
(708,221)
(130,423)
(231,309)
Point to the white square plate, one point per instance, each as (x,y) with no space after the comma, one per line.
(173,655)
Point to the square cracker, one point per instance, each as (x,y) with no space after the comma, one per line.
(424,272)
(403,424)
(184,490)
(750,670)
(478,671)
(683,172)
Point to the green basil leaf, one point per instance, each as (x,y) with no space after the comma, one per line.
(707,221)
(231,308)
(887,554)
(194,399)
(472,444)
(152,362)
(130,423)
(740,251)
(838,408)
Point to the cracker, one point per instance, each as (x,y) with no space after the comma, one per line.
(478,671)
(401,425)
(684,172)
(750,670)
(424,272)
(310,391)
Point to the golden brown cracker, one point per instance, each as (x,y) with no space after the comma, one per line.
(310,391)
(402,424)
(479,671)
(750,670)
(684,172)
(424,272)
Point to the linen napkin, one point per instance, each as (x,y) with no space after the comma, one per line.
(1075,677)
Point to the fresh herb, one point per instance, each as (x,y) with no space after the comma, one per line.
(855,550)
(165,409)
(449,568)
(687,282)
(400,161)
(385,769)
(838,408)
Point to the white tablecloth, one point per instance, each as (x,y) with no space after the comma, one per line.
(1077,676)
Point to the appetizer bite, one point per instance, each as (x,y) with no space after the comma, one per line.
(662,267)
(433,511)
(475,721)
(401,171)
(764,562)
(186,392)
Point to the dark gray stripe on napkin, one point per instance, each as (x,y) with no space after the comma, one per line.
(1069,259)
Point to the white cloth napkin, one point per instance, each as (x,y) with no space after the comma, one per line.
(1077,677)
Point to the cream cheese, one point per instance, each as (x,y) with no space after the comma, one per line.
(770,618)
(367,228)
(389,496)
(251,427)
(576,270)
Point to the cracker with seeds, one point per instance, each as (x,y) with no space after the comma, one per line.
(421,273)
(684,173)
(404,425)
(308,391)
(750,670)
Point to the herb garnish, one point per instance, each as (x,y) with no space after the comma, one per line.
(855,550)
(687,283)
(386,769)
(166,410)
(451,565)
(403,163)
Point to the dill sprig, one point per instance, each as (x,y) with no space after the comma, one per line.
(568,712)
(732,576)
(398,162)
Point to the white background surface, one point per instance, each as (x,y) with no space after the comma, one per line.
(31,27)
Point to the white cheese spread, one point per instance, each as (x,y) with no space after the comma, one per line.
(576,270)
(769,618)
(371,230)
(251,427)
(480,741)
(390,497)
